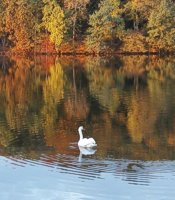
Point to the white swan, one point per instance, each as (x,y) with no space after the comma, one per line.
(85,142)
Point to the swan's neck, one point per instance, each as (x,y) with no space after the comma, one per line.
(81,134)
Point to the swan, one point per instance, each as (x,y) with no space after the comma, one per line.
(85,142)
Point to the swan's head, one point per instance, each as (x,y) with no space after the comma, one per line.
(80,129)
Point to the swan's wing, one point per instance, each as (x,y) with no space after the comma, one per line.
(87,142)
(91,140)
(83,142)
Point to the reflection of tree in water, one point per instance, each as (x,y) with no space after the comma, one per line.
(142,115)
(53,93)
(141,109)
(162,70)
(102,85)
(76,104)
(32,105)
(5,64)
(18,90)
(128,112)
(134,66)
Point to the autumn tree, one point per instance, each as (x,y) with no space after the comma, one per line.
(37,8)
(105,24)
(161,26)
(19,23)
(74,9)
(3,35)
(133,41)
(53,21)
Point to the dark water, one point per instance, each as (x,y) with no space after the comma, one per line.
(126,104)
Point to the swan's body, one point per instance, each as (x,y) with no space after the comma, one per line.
(85,142)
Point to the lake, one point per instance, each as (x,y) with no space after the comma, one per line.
(127,104)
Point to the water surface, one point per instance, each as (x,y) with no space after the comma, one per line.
(127,104)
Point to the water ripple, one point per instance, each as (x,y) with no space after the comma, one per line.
(133,172)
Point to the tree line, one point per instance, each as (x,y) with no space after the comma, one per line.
(90,25)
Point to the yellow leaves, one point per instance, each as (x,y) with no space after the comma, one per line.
(134,41)
(161,26)
(53,21)
(75,4)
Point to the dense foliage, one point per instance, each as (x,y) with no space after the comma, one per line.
(103,25)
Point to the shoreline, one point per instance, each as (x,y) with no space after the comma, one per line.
(85,53)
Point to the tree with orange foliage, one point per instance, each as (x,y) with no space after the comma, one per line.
(19,24)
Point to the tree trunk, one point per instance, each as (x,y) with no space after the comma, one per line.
(74,24)
(3,43)
(136,22)
(73,33)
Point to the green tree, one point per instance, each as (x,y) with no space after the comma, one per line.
(74,10)
(37,7)
(92,6)
(53,21)
(161,26)
(138,12)
(105,24)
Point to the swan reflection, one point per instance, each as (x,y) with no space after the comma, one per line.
(85,151)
